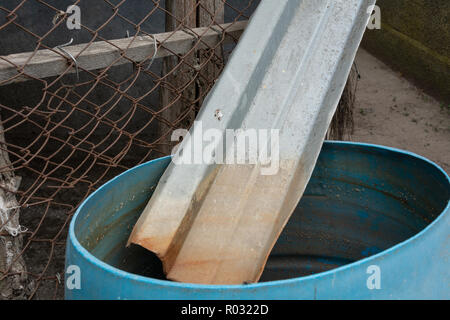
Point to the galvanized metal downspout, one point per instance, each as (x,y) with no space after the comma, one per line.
(287,73)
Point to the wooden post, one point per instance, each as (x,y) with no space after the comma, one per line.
(209,12)
(10,238)
(178,90)
(183,90)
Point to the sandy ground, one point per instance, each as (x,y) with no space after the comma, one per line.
(391,111)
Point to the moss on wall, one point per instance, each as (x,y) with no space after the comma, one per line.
(415,39)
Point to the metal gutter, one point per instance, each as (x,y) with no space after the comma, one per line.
(216,223)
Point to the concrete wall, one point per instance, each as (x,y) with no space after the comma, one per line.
(415,39)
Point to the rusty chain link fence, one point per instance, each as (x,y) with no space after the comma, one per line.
(81,103)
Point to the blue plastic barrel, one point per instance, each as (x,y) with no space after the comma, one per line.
(374,223)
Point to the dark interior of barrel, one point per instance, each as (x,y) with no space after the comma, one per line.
(358,203)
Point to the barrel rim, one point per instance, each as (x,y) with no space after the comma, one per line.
(134,277)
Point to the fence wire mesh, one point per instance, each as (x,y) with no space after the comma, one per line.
(64,132)
(80,106)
